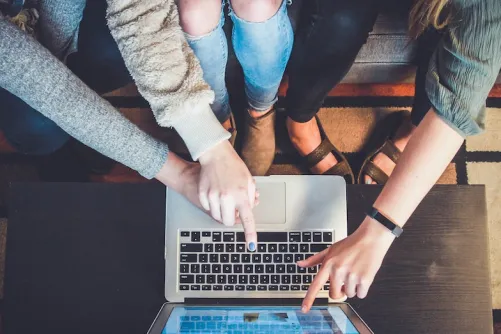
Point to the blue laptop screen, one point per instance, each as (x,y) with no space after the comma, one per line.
(320,320)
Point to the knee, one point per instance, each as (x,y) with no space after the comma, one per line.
(199,17)
(256,10)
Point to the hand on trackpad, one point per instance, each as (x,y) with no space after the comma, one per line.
(271,208)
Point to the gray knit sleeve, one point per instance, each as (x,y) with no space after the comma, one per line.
(465,66)
(32,73)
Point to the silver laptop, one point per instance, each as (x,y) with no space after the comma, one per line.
(297,217)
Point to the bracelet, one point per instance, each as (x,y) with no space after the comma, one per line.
(383,220)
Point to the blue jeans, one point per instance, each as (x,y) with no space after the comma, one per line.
(263,50)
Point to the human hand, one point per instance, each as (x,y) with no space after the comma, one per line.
(350,264)
(226,187)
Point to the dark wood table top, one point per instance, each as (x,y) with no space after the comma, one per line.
(88,258)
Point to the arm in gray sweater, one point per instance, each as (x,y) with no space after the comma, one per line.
(32,73)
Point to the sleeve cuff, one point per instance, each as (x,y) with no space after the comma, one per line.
(200,130)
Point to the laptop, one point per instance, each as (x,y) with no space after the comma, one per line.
(297,217)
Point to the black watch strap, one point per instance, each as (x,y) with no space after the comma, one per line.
(383,220)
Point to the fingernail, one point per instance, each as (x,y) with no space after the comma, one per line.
(368,182)
(303,309)
(252,246)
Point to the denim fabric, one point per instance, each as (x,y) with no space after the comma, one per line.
(263,50)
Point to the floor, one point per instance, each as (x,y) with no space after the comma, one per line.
(349,116)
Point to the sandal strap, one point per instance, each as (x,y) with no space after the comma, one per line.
(375,172)
(391,151)
(342,168)
(319,153)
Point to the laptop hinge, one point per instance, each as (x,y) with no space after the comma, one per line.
(252,301)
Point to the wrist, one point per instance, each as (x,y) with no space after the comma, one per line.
(215,152)
(171,171)
(372,229)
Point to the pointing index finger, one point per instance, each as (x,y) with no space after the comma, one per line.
(247,219)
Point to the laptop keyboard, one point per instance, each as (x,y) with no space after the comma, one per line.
(220,261)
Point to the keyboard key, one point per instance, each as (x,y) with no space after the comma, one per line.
(264,279)
(272,248)
(327,236)
(240,248)
(187,279)
(288,258)
(256,258)
(304,248)
(214,258)
(216,268)
(277,258)
(200,279)
(261,248)
(250,288)
(235,258)
(184,287)
(284,288)
(275,279)
(229,236)
(217,287)
(216,236)
(307,279)
(211,279)
(185,268)
(206,234)
(304,287)
(230,248)
(317,248)
(291,269)
(208,248)
(195,288)
(265,237)
(295,287)
(296,279)
(219,248)
(195,268)
(195,236)
(286,279)
(306,236)
(259,268)
(317,236)
(232,279)
(262,288)
(282,248)
(248,268)
(293,248)
(243,279)
(246,258)
(185,233)
(301,270)
(270,269)
(206,288)
(294,236)
(189,258)
(326,287)
(237,268)
(253,279)
(227,268)
(273,288)
(298,257)
(221,279)
(203,258)
(205,268)
(312,270)
(224,258)
(228,288)
(267,258)
(280,268)
(240,287)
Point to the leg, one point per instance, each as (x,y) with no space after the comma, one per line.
(98,61)
(202,21)
(330,36)
(27,130)
(426,46)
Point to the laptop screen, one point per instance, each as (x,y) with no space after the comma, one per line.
(320,320)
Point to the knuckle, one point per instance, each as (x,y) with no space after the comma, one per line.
(213,194)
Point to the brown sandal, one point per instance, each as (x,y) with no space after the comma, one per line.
(342,168)
(387,147)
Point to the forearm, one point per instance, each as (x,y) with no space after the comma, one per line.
(428,153)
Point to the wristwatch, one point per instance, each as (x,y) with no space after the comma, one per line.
(383,220)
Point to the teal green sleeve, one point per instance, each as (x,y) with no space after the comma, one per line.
(465,66)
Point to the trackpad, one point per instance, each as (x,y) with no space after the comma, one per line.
(271,208)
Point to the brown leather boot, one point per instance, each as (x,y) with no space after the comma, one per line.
(258,149)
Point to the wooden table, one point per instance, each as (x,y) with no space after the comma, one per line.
(88,258)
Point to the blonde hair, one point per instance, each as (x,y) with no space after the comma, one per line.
(425,13)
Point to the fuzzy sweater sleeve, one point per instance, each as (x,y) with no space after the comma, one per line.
(165,69)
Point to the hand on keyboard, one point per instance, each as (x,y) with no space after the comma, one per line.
(350,264)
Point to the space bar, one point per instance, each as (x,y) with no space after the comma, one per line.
(265,237)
